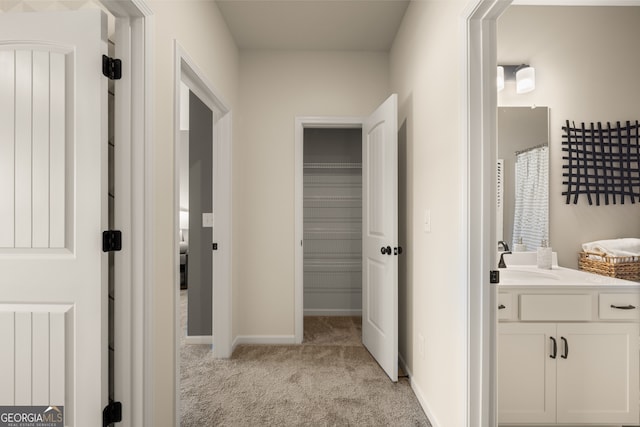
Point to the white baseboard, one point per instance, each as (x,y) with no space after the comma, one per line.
(331,312)
(199,339)
(423,403)
(263,339)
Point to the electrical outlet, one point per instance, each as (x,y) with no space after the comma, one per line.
(421,346)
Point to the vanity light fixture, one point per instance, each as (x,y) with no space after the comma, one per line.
(525,80)
(524,75)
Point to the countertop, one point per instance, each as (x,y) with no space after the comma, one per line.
(519,276)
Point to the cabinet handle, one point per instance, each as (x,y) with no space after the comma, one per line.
(566,348)
(624,307)
(555,348)
(501,307)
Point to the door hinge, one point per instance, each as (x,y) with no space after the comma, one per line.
(112,413)
(111,241)
(111,68)
(215,246)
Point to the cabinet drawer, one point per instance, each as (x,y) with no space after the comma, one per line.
(507,308)
(619,306)
(556,307)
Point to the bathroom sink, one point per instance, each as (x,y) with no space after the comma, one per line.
(527,275)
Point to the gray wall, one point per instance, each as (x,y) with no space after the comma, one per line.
(519,128)
(200,201)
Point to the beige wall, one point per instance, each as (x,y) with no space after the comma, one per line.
(426,72)
(275,87)
(586,71)
(199,28)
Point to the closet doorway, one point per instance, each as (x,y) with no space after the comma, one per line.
(332,222)
(331,236)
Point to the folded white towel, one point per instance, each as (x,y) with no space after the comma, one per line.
(629,247)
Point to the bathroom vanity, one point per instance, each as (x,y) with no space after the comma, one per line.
(568,348)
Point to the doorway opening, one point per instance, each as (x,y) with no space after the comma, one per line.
(196,172)
(321,144)
(379,236)
(203,219)
(332,224)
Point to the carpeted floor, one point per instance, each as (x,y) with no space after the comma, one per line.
(329,380)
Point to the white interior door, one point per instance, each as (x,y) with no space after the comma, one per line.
(380,235)
(53,209)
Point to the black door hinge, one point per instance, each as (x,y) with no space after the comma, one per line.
(215,246)
(111,241)
(111,68)
(112,413)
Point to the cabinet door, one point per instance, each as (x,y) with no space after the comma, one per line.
(598,379)
(526,373)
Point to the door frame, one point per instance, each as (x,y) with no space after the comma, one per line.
(302,122)
(187,71)
(134,36)
(478,154)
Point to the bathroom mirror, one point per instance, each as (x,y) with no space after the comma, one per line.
(523,176)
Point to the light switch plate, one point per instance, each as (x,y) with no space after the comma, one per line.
(207,219)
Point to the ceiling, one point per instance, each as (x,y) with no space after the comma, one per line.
(314,24)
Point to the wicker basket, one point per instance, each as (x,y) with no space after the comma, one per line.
(627,268)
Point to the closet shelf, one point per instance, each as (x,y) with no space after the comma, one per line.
(333,165)
(332,198)
(334,265)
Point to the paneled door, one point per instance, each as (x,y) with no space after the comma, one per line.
(380,235)
(53,209)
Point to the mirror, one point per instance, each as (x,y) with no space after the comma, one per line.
(523,176)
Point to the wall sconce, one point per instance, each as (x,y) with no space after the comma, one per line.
(524,75)
(500,78)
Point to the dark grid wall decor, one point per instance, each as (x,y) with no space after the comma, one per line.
(601,162)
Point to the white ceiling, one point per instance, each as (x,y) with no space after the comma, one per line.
(314,24)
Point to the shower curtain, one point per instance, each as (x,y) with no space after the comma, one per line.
(532,197)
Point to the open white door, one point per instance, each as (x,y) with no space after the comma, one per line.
(53,209)
(380,235)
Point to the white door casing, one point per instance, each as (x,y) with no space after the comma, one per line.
(222,175)
(53,193)
(380,231)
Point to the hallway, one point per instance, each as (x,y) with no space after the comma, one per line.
(328,380)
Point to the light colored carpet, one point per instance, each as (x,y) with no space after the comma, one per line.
(330,380)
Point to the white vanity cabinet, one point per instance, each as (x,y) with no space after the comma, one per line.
(597,382)
(565,356)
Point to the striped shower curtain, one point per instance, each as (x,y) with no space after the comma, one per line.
(531,216)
